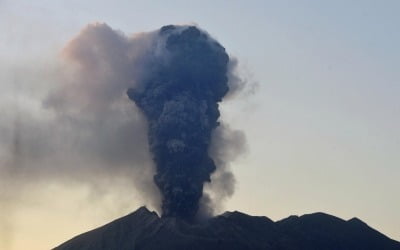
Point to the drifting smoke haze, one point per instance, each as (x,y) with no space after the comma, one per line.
(74,120)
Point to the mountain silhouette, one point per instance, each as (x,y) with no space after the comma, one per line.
(145,230)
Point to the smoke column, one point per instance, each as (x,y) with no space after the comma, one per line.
(179,98)
(76,125)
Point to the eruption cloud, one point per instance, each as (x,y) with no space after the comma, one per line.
(180,101)
(122,109)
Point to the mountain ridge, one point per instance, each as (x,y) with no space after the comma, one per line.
(145,230)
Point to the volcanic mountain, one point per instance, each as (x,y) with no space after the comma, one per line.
(145,230)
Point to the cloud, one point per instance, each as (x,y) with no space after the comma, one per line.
(68,119)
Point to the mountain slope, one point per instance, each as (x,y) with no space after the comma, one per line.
(144,230)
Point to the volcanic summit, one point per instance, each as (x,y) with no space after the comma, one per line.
(144,230)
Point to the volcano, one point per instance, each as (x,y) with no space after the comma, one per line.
(177,77)
(145,230)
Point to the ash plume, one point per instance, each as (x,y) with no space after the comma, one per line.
(121,109)
(180,101)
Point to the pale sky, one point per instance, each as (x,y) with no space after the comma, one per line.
(322,126)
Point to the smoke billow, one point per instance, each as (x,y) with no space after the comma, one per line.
(121,106)
(180,101)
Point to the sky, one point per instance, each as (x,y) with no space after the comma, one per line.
(321,115)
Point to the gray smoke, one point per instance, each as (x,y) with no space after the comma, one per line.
(71,120)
